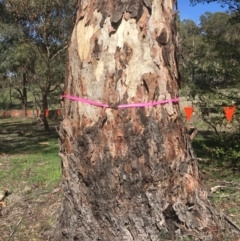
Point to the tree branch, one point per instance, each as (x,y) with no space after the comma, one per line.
(19,91)
(58,52)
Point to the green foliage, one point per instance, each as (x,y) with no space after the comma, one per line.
(33,41)
(210,54)
(4,101)
(223,149)
(232,4)
(210,68)
(228,149)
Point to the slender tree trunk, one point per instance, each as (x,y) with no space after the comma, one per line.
(128,174)
(24,94)
(44,111)
(10,94)
(45,93)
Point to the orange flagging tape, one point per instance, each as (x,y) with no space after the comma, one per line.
(188,112)
(46,113)
(229,111)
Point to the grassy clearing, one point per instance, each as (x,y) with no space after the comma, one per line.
(28,153)
(30,171)
(35,169)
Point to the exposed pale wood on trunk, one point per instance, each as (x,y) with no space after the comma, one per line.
(128,174)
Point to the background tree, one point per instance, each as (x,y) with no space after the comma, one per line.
(190,45)
(128,174)
(17,63)
(16,59)
(233,4)
(45,27)
(214,83)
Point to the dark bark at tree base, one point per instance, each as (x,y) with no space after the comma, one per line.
(128,174)
(140,197)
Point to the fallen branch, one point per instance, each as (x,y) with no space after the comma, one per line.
(15,229)
(232,183)
(202,159)
(214,189)
(230,221)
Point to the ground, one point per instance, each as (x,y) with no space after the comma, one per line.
(30,179)
(29,176)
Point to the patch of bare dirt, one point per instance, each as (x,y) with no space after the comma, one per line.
(29,216)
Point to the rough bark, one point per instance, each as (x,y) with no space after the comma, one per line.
(128,174)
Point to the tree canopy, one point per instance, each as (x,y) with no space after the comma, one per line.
(34,37)
(209,62)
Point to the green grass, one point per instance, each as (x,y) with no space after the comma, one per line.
(31,172)
(33,169)
(30,157)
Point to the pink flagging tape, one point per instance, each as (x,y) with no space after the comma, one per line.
(91,102)
(144,104)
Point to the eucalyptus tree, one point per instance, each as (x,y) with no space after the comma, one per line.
(128,168)
(17,57)
(216,65)
(232,4)
(190,50)
(45,26)
(17,63)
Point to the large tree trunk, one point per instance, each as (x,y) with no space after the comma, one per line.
(128,174)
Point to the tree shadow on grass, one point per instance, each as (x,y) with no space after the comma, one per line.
(204,143)
(19,136)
